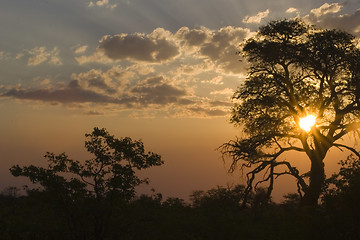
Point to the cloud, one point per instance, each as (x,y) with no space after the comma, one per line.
(93,113)
(193,37)
(4,56)
(90,93)
(98,57)
(291,10)
(19,55)
(81,49)
(225,91)
(327,16)
(72,93)
(198,68)
(141,68)
(45,82)
(102,3)
(40,55)
(214,48)
(220,42)
(156,91)
(110,82)
(221,103)
(155,47)
(218,80)
(91,87)
(257,18)
(326,9)
(206,112)
(222,46)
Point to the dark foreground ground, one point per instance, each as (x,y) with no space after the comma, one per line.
(214,214)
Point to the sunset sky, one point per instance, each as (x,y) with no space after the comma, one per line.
(162,71)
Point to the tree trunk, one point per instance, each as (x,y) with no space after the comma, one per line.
(317,179)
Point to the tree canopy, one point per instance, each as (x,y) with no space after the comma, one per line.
(295,70)
(110,172)
(94,185)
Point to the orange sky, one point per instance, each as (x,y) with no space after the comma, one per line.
(188,147)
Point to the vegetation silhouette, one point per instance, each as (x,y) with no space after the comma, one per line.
(296,70)
(212,214)
(94,187)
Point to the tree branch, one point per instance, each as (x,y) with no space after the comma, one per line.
(348,148)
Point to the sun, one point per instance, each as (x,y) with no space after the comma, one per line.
(307,122)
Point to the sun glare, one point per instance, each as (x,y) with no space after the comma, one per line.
(307,122)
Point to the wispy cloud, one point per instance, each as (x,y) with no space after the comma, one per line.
(93,113)
(206,112)
(40,55)
(4,55)
(257,18)
(218,80)
(225,91)
(81,49)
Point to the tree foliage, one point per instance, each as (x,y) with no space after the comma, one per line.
(342,197)
(95,185)
(344,186)
(111,171)
(295,70)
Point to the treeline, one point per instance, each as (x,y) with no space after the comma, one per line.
(213,214)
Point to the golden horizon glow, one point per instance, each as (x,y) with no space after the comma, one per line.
(307,122)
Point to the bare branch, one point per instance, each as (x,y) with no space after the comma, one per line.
(348,148)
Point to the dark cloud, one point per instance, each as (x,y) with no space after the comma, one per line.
(73,93)
(101,84)
(223,42)
(156,91)
(154,80)
(109,82)
(218,47)
(222,49)
(184,101)
(150,91)
(193,37)
(154,47)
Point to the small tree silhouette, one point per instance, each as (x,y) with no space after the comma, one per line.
(97,183)
(295,71)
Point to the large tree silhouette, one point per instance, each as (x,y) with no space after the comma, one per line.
(295,70)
